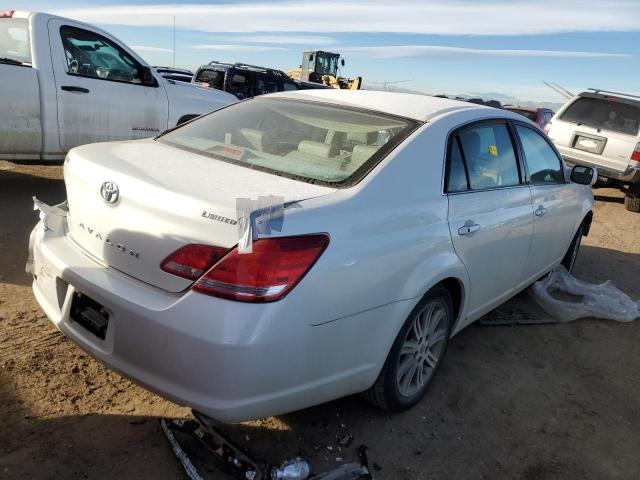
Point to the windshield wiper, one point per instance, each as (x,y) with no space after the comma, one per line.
(11,61)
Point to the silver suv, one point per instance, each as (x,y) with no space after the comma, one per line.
(601,128)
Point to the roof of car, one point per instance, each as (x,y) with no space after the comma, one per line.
(417,107)
(526,109)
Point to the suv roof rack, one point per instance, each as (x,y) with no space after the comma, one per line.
(599,90)
(246,66)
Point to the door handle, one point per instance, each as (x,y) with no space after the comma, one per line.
(74,89)
(540,211)
(468,228)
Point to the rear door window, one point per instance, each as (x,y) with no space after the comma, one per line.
(289,86)
(489,156)
(240,84)
(266,84)
(14,41)
(543,163)
(604,114)
(457,176)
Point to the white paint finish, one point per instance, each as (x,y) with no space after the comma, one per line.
(109,112)
(390,243)
(189,99)
(554,230)
(150,182)
(20,126)
(418,107)
(496,254)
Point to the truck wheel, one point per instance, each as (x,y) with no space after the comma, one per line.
(416,353)
(632,202)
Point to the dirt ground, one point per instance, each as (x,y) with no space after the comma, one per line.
(531,402)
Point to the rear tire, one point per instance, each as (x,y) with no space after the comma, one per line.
(632,202)
(416,353)
(570,257)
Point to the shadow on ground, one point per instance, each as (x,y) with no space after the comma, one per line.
(17,217)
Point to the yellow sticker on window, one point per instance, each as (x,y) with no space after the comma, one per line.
(493,150)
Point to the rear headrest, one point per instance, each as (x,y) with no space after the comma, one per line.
(254,137)
(318,149)
(362,153)
(357,137)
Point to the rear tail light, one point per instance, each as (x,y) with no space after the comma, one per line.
(191,261)
(635,156)
(268,273)
(7,14)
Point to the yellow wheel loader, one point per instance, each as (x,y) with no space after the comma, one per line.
(322,67)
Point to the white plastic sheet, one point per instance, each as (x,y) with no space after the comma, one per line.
(600,301)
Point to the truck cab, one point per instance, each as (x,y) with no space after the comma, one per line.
(66,83)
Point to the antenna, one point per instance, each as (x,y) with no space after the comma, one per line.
(386,84)
(564,89)
(565,93)
(174,41)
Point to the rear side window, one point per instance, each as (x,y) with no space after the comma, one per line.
(241,84)
(14,40)
(457,180)
(266,84)
(489,156)
(290,86)
(211,78)
(91,55)
(543,163)
(604,114)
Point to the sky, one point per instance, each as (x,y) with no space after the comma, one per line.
(503,49)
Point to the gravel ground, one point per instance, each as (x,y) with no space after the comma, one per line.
(522,401)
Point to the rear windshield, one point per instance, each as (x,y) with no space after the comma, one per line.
(604,114)
(14,41)
(309,141)
(525,113)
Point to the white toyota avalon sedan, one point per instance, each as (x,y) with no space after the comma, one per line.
(391,222)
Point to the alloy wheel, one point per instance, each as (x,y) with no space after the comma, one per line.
(423,345)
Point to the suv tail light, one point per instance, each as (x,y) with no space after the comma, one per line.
(191,261)
(268,273)
(635,156)
(7,14)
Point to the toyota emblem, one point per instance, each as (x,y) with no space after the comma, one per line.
(110,192)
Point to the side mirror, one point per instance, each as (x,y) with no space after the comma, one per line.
(584,175)
(342,62)
(311,58)
(147,77)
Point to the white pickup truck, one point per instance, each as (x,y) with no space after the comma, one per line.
(64,83)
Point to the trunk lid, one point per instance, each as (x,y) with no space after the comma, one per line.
(167,198)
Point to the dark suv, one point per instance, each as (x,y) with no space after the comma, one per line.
(246,81)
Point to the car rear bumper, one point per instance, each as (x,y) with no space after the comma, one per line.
(233,361)
(631,175)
